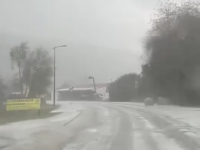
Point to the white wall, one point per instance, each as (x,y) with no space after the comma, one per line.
(102,91)
(52,96)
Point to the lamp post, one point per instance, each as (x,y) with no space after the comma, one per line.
(54,76)
(90,77)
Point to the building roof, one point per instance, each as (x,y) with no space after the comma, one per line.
(90,85)
(76,89)
(84,87)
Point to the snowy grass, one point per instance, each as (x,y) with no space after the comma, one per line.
(14,116)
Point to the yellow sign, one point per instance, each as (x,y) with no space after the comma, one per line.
(23,104)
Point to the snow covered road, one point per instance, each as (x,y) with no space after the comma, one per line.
(103,126)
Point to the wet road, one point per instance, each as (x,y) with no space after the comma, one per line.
(101,126)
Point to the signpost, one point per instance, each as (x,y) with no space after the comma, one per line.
(136,88)
(23,104)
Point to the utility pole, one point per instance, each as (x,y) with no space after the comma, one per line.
(136,88)
(90,77)
(94,85)
(54,75)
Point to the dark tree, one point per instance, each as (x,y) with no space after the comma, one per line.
(173,43)
(124,88)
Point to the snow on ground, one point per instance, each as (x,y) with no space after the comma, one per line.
(68,106)
(22,131)
(188,115)
(147,135)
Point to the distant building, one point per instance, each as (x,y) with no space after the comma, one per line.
(84,92)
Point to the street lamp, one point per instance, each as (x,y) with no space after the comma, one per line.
(54,76)
(90,77)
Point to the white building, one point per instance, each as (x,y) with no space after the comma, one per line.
(81,92)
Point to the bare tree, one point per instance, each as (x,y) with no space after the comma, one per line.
(38,72)
(18,57)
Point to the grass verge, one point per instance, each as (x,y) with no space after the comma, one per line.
(14,116)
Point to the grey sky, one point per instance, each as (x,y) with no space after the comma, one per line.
(104,37)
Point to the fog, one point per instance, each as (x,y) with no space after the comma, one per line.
(104,37)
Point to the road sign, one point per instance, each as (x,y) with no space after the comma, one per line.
(23,104)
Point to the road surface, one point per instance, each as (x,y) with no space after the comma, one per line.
(101,126)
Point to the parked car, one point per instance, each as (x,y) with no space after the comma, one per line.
(148,101)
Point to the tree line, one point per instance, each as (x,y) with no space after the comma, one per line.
(34,71)
(172,49)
